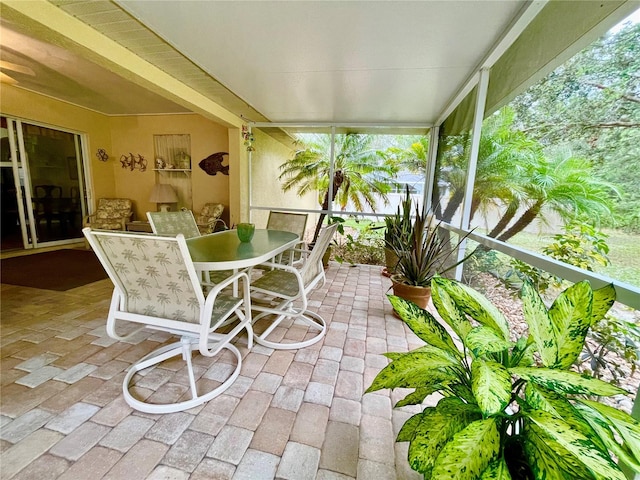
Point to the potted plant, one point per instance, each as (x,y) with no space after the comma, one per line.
(510,409)
(397,233)
(426,252)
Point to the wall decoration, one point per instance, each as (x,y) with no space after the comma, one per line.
(213,164)
(132,162)
(248,138)
(102,155)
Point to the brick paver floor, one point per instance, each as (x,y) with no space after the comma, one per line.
(297,415)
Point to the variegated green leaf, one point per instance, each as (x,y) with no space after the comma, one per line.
(450,312)
(496,470)
(419,395)
(413,370)
(540,325)
(571,316)
(603,429)
(603,299)
(469,452)
(434,352)
(567,382)
(540,398)
(474,304)
(482,340)
(627,426)
(522,352)
(436,429)
(462,391)
(581,447)
(423,324)
(408,429)
(549,460)
(491,386)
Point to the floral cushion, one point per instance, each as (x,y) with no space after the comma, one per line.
(111,214)
(209,213)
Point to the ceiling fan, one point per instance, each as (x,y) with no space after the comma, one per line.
(14,67)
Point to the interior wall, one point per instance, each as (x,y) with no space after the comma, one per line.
(134,134)
(29,106)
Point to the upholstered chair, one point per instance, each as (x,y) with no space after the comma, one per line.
(111,214)
(209,220)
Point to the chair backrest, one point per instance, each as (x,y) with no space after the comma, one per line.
(113,208)
(154,274)
(173,223)
(288,222)
(312,269)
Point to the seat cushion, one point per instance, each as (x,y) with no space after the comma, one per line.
(279,282)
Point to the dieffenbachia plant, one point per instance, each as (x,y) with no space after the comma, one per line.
(509,409)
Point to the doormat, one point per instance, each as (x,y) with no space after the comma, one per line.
(59,270)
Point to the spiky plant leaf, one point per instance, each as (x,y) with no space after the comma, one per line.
(599,463)
(571,316)
(450,312)
(603,429)
(496,470)
(469,452)
(482,340)
(540,325)
(540,398)
(422,323)
(436,429)
(603,300)
(549,460)
(491,386)
(627,426)
(413,370)
(566,382)
(474,304)
(418,396)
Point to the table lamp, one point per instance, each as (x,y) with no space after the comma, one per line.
(163,194)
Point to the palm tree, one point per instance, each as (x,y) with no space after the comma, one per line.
(360,177)
(563,183)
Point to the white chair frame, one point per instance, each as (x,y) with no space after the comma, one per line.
(199,336)
(282,306)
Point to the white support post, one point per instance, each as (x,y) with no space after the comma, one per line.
(478,117)
(430,173)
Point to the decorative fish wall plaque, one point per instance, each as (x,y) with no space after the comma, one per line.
(213,164)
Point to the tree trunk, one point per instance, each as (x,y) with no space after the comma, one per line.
(338,179)
(504,221)
(526,218)
(453,205)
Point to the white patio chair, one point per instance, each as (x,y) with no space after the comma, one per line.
(286,284)
(290,222)
(173,223)
(156,286)
(183,221)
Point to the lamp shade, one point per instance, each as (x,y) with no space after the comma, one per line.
(163,194)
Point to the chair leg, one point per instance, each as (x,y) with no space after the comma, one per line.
(311,319)
(184,348)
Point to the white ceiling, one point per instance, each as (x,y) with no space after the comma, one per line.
(353,62)
(335,61)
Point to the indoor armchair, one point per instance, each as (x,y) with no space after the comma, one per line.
(111,214)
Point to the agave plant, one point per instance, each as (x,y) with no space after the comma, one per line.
(509,409)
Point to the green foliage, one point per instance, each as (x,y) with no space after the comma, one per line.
(611,335)
(580,245)
(364,246)
(502,416)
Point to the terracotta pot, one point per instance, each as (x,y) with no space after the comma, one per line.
(390,260)
(418,295)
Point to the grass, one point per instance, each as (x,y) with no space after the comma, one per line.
(624,253)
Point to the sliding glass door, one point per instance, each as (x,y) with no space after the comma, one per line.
(43,185)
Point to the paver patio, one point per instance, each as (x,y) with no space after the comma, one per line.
(296,415)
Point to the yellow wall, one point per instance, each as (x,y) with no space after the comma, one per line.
(130,134)
(134,134)
(28,106)
(266,189)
